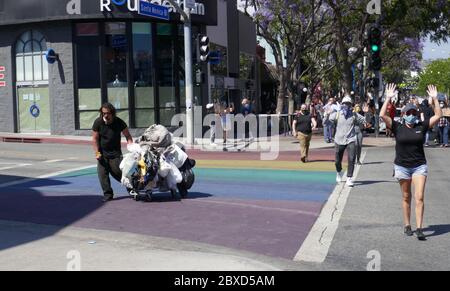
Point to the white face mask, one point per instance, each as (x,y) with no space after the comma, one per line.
(442,105)
(106,121)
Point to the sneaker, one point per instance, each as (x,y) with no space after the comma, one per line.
(303,159)
(339,177)
(420,235)
(349,182)
(108,198)
(408,231)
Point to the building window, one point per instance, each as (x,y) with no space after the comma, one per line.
(220,67)
(136,66)
(30,57)
(144,97)
(88,73)
(166,76)
(116,52)
(246,67)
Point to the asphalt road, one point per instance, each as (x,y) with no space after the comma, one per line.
(254,223)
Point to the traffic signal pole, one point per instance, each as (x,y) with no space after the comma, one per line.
(186,17)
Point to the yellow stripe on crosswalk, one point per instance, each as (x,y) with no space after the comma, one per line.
(274,165)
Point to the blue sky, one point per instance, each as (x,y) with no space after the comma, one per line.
(434,51)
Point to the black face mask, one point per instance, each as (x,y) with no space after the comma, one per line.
(305,112)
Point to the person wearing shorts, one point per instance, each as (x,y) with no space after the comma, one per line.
(410,166)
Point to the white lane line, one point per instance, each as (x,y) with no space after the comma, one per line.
(59,173)
(316,246)
(295,211)
(14,166)
(53,161)
(26,180)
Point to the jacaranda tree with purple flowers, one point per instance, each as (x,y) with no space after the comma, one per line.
(292,28)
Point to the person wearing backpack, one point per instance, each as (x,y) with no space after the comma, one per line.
(345,138)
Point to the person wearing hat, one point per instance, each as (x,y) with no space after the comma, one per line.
(345,138)
(303,126)
(410,166)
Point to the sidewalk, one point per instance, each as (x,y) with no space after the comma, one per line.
(285,142)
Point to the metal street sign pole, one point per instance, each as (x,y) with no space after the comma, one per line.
(186,16)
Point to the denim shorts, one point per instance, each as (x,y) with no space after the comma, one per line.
(402,173)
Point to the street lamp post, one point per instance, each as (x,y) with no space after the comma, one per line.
(186,17)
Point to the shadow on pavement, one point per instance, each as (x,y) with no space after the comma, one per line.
(166,197)
(55,210)
(22,203)
(438,230)
(373,163)
(364,183)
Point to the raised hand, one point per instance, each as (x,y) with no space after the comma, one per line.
(391,90)
(432,91)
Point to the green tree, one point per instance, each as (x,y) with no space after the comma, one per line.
(436,73)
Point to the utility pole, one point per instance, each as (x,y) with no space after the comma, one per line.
(186,17)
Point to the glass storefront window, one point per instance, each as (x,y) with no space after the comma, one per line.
(87,29)
(144,98)
(153,65)
(166,82)
(220,69)
(246,67)
(116,52)
(30,53)
(88,74)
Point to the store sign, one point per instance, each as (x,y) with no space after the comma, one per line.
(133,5)
(21,12)
(2,68)
(2,84)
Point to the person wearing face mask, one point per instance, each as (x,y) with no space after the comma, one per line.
(106,136)
(345,138)
(410,164)
(303,126)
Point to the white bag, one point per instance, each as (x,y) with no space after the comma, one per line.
(175,155)
(164,168)
(129,165)
(173,178)
(134,148)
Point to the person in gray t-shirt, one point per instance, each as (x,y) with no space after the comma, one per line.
(345,138)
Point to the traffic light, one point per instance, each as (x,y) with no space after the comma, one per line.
(204,47)
(375,48)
